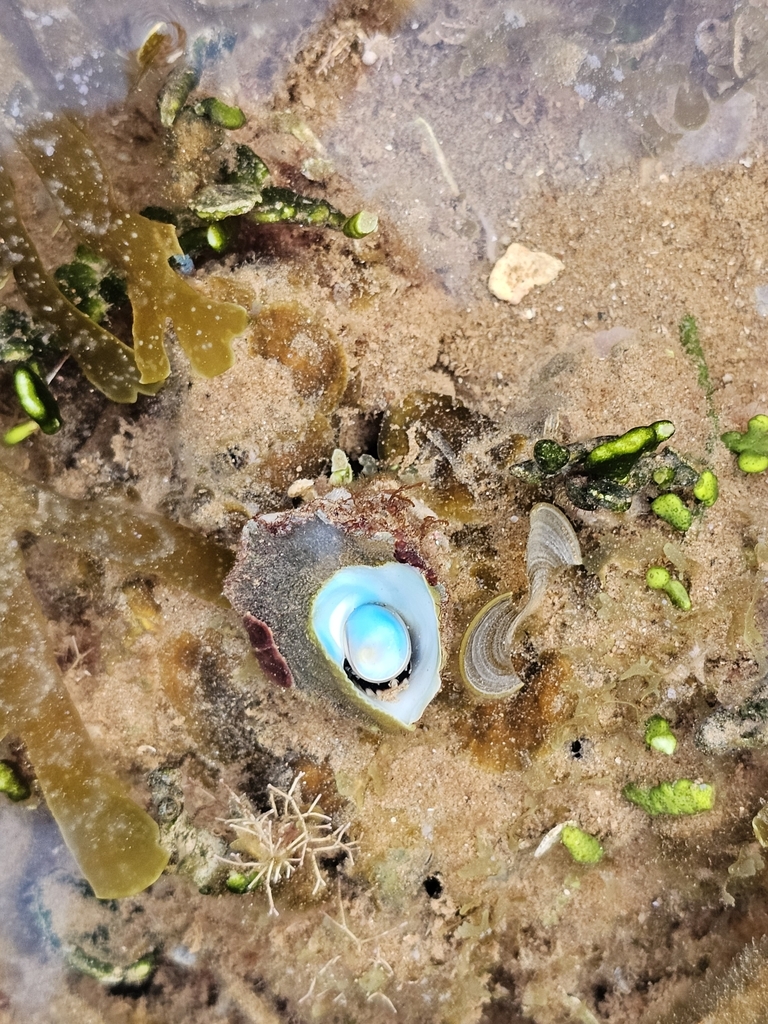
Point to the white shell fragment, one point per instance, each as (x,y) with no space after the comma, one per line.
(519,270)
(378,627)
(485,658)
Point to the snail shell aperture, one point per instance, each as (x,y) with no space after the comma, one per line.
(378,627)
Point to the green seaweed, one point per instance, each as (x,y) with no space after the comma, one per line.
(691,345)
(615,458)
(607,472)
(583,847)
(20,432)
(91,284)
(21,337)
(12,782)
(249,169)
(283,204)
(220,113)
(675,798)
(659,735)
(706,489)
(36,399)
(550,456)
(205,328)
(690,342)
(671,509)
(751,446)
(658,578)
(240,883)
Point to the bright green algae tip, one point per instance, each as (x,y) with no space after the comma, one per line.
(582,846)
(360,224)
(617,457)
(706,490)
(671,509)
(36,399)
(751,447)
(20,432)
(681,797)
(11,782)
(239,882)
(659,735)
(658,578)
(220,113)
(678,595)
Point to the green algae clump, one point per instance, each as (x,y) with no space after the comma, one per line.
(659,735)
(672,510)
(751,447)
(12,783)
(658,578)
(675,798)
(706,489)
(220,113)
(583,847)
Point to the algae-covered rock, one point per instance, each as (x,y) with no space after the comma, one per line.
(741,728)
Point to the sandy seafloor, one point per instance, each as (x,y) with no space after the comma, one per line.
(627,140)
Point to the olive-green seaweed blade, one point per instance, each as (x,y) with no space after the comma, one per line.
(139,248)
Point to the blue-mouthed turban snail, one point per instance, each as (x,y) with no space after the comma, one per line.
(330,602)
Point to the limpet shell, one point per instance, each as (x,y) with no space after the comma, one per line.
(485,656)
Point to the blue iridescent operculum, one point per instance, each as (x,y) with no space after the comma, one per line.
(381,619)
(377,643)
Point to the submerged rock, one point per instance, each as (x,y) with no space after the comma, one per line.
(519,270)
(741,728)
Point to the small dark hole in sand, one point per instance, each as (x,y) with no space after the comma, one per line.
(433,887)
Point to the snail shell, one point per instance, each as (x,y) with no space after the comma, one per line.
(334,599)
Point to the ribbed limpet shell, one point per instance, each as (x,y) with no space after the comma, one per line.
(485,657)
